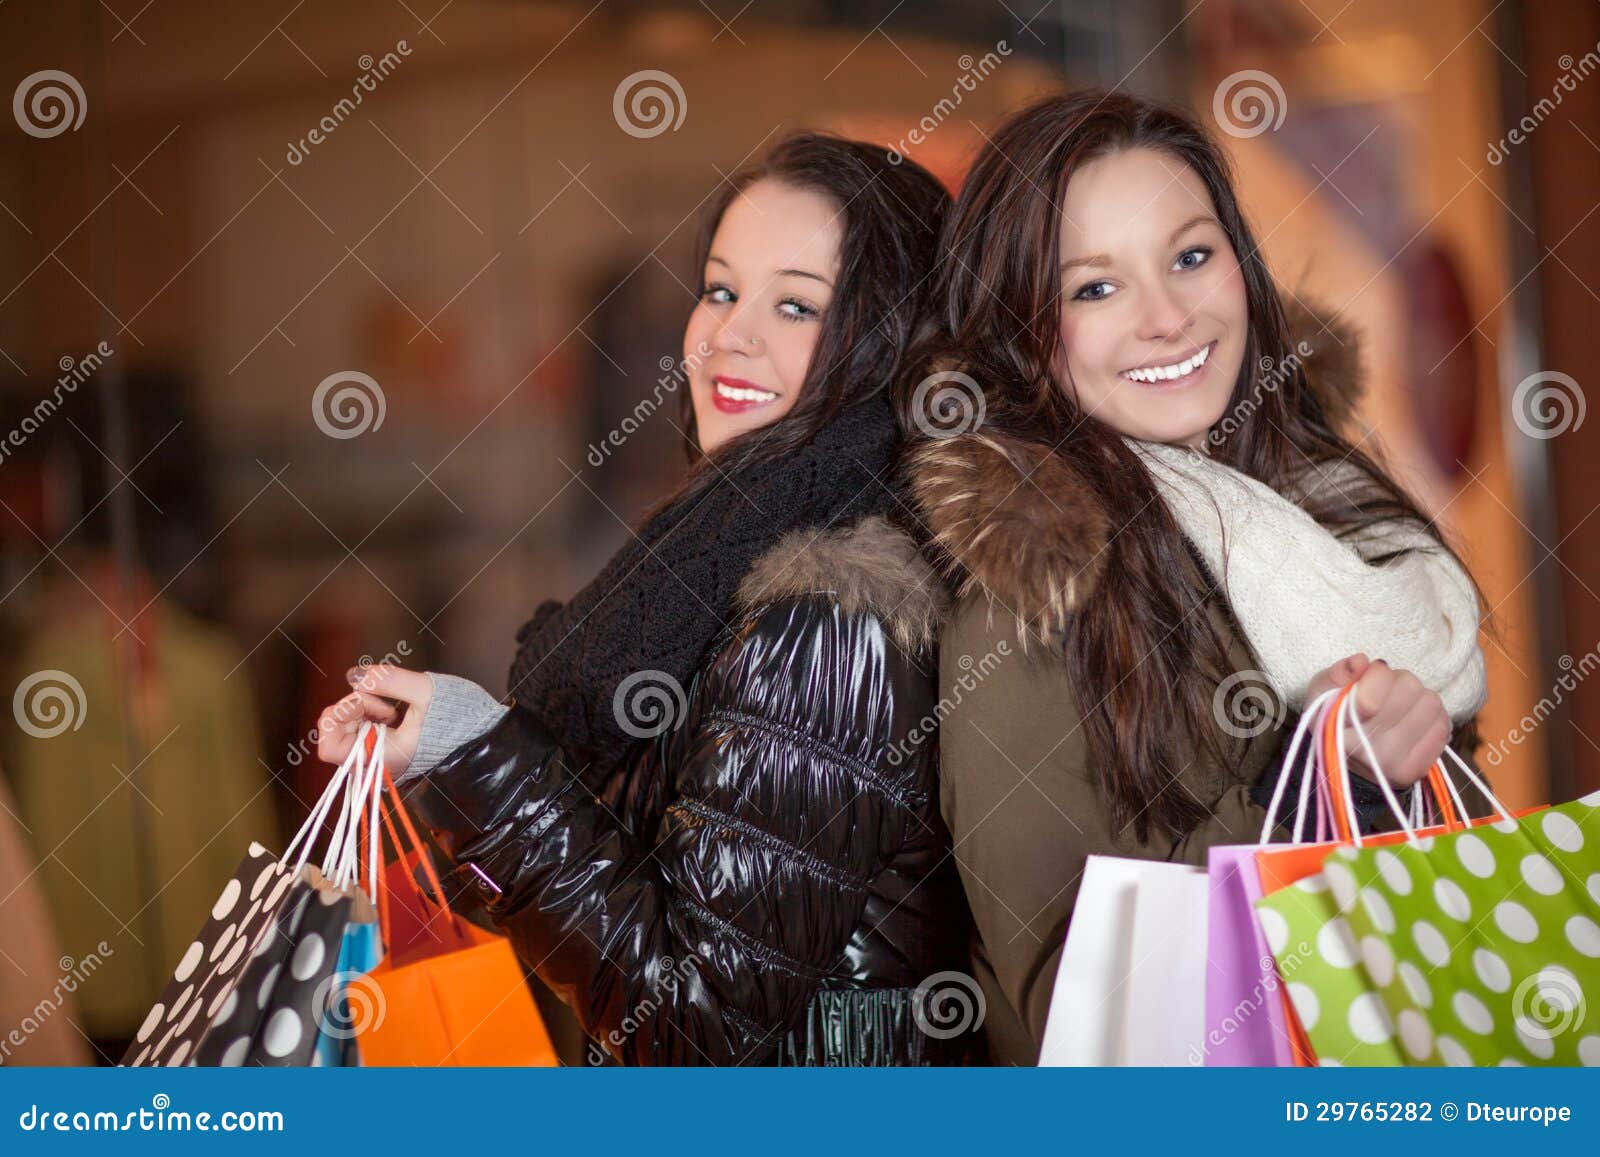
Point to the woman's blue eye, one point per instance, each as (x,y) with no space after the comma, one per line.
(1084,294)
(796,310)
(1203,252)
(716,294)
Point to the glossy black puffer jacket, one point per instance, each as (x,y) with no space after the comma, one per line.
(769,882)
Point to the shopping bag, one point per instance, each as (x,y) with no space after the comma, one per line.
(1334,997)
(207,975)
(359,952)
(1484,944)
(1245,1017)
(1248,1020)
(1310,945)
(274,1013)
(251,986)
(458,1000)
(1130,986)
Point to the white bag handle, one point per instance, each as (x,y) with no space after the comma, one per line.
(1310,723)
(357,781)
(319,811)
(1408,827)
(366,789)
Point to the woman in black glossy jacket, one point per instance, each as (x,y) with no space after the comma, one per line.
(708,815)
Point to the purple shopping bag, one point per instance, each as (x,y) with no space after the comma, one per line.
(1245,1023)
(1246,1020)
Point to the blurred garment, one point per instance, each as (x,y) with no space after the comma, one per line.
(36,1009)
(132,855)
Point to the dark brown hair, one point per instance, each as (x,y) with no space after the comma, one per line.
(892,212)
(1144,657)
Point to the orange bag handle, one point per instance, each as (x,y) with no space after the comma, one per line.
(1448,815)
(389,805)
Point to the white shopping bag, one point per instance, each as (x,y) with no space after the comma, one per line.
(1132,982)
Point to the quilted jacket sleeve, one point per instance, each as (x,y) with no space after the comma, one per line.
(702,940)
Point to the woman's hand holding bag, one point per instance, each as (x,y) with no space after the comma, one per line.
(1407,724)
(391,697)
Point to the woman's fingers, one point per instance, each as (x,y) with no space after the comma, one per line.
(336,729)
(339,722)
(1372,691)
(383,694)
(391,682)
(378,710)
(1408,733)
(1421,737)
(1341,674)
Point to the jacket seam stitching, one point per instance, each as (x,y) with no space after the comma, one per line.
(768,954)
(813,864)
(826,751)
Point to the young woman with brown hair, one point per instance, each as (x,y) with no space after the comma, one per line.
(1153,502)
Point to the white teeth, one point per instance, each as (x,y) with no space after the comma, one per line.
(742,395)
(1167,373)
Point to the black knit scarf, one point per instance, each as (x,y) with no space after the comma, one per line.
(609,668)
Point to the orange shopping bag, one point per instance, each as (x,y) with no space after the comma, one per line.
(454,997)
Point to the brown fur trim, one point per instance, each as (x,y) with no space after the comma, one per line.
(872,567)
(1014,521)
(1333,367)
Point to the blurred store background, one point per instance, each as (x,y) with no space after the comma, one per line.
(312,317)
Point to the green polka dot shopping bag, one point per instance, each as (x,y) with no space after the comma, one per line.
(1475,946)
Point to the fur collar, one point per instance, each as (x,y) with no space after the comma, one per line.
(872,567)
(1016,521)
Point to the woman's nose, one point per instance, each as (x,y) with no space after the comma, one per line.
(733,336)
(1165,316)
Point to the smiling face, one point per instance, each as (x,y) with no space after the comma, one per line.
(769,278)
(1153,310)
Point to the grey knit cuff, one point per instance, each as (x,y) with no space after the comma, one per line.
(459,711)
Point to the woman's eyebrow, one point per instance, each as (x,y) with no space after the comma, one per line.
(1100,260)
(779,272)
(804,273)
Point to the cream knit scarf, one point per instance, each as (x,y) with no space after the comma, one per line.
(1306,599)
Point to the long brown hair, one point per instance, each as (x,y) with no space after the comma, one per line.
(1144,657)
(892,213)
